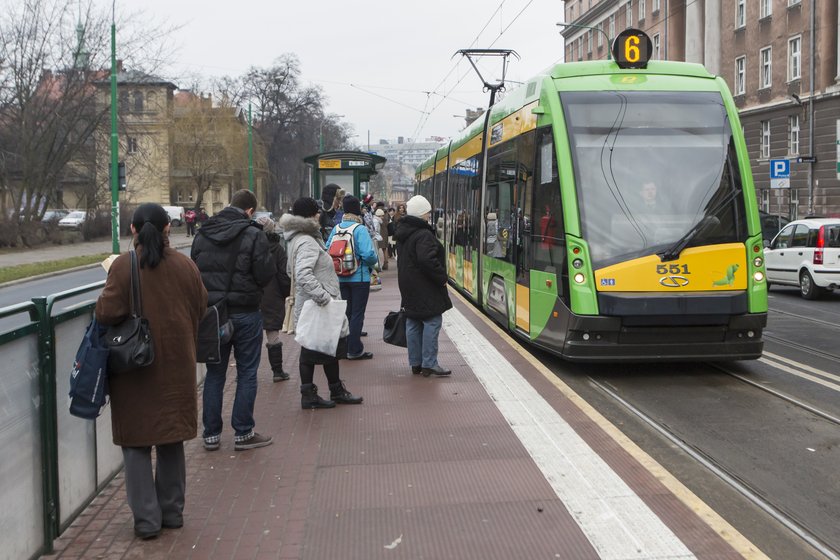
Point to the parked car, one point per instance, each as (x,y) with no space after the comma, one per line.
(73,220)
(176,215)
(54,216)
(771,224)
(806,253)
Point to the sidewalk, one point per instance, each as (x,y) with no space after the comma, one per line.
(47,253)
(499,461)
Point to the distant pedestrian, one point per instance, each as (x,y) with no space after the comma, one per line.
(232,253)
(202,217)
(315,279)
(422,280)
(190,217)
(156,406)
(384,221)
(273,303)
(356,288)
(329,205)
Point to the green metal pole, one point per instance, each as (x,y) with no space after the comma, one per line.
(115,188)
(250,153)
(49,423)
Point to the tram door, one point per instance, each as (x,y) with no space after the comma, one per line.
(523,196)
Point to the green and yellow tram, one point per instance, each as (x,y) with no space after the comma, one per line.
(610,214)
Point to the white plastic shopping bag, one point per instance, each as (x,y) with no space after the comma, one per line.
(319,327)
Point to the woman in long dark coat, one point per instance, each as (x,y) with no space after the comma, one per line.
(156,405)
(422,281)
(273,302)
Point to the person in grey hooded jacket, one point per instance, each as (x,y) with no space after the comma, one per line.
(313,276)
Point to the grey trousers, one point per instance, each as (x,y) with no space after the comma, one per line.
(157,499)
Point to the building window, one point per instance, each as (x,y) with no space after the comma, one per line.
(740,75)
(131,147)
(794,58)
(600,35)
(766,9)
(589,42)
(741,14)
(765,139)
(641,10)
(629,14)
(654,6)
(612,26)
(766,67)
(656,47)
(138,102)
(793,137)
(793,2)
(765,200)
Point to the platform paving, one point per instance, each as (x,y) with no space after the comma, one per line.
(425,468)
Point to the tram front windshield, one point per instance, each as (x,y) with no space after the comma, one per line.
(654,171)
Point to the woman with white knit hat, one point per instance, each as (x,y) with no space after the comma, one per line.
(422,280)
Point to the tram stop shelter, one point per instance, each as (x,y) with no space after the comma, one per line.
(349,170)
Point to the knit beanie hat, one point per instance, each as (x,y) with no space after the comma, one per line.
(417,206)
(305,207)
(352,205)
(328,194)
(368,199)
(266,223)
(379,212)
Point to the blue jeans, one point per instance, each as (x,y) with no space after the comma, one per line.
(422,338)
(247,346)
(356,294)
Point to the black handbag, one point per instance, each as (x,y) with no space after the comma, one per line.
(130,343)
(394,332)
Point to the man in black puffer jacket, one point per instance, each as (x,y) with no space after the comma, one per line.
(232,254)
(422,280)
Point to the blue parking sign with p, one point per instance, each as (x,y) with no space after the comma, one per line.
(779,169)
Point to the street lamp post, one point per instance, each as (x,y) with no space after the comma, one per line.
(115,192)
(321,133)
(250,153)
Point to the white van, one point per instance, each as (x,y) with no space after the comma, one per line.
(176,215)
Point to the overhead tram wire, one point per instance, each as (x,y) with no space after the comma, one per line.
(423,121)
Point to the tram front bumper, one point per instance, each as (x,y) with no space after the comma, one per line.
(601,339)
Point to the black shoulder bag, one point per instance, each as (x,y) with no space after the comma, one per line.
(130,343)
(216,329)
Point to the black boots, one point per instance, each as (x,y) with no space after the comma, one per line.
(340,394)
(275,359)
(309,398)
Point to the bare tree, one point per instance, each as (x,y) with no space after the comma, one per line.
(288,117)
(52,53)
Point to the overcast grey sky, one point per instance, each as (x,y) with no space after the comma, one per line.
(391,51)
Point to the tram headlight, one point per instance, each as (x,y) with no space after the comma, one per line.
(577,263)
(758,261)
(758,276)
(580,278)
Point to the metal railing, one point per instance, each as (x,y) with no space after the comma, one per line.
(53,464)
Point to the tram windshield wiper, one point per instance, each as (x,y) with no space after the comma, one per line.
(704,225)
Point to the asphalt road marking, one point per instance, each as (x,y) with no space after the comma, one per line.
(781,363)
(722,527)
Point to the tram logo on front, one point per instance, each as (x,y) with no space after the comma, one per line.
(674,281)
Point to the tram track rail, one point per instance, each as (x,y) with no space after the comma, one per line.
(728,476)
(803,347)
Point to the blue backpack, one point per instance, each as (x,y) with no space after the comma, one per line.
(89,376)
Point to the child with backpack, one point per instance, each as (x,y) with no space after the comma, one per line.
(354,255)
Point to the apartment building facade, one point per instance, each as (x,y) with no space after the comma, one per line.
(781,60)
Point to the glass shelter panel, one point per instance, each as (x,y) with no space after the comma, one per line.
(21,518)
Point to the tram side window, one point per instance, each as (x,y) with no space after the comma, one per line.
(549,242)
(525,154)
(499,211)
(438,204)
